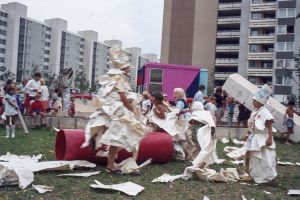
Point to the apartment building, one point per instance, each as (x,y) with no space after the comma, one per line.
(255,38)
(3,39)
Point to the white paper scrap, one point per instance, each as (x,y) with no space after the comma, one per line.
(237,162)
(220,161)
(42,188)
(266,192)
(224,140)
(243,197)
(293,192)
(87,174)
(205,198)
(237,142)
(166,178)
(285,163)
(129,188)
(297,163)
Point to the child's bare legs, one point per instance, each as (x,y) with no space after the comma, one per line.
(43,118)
(112,153)
(34,114)
(290,131)
(10,126)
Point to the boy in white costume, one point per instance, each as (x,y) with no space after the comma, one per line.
(116,123)
(261,154)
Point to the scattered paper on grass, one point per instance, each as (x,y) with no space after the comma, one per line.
(237,162)
(146,163)
(245,177)
(224,140)
(266,192)
(237,142)
(235,152)
(293,192)
(298,164)
(87,174)
(205,198)
(285,163)
(243,197)
(166,178)
(42,188)
(8,177)
(220,161)
(129,188)
(245,184)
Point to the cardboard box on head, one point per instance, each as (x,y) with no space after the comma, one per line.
(242,90)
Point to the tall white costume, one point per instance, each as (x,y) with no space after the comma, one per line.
(113,124)
(261,159)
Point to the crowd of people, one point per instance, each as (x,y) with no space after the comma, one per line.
(32,98)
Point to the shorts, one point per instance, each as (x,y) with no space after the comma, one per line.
(36,111)
(290,123)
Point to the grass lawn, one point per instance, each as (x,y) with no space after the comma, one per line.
(42,142)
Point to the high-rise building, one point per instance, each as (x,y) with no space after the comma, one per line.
(135,53)
(113,43)
(152,57)
(256,38)
(3,39)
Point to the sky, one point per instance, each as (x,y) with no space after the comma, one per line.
(138,23)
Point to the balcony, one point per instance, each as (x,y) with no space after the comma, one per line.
(259,72)
(230,6)
(261,56)
(229,20)
(228,34)
(227,61)
(263,7)
(227,48)
(262,23)
(222,75)
(264,39)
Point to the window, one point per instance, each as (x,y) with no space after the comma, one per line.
(256,1)
(2,32)
(3,23)
(47,52)
(284,63)
(285,46)
(48,36)
(48,29)
(46,59)
(46,67)
(2,50)
(286,12)
(281,29)
(2,59)
(253,48)
(290,29)
(279,80)
(255,16)
(2,41)
(80,59)
(47,44)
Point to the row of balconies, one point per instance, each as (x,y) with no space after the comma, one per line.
(264,6)
(252,23)
(229,20)
(228,48)
(228,34)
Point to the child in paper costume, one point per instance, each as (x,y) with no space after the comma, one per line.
(116,123)
(261,154)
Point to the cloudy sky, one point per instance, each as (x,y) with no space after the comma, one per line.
(135,22)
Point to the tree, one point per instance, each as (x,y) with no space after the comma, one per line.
(81,81)
(296,70)
(5,75)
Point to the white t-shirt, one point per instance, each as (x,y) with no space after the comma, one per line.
(45,93)
(33,85)
(146,104)
(211,107)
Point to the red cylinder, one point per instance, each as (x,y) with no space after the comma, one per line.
(156,145)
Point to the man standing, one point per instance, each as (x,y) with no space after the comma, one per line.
(199,95)
(34,85)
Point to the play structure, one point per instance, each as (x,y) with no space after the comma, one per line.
(155,145)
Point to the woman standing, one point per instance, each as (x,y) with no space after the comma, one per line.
(115,124)
(261,154)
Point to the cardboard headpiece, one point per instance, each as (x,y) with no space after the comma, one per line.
(119,58)
(263,94)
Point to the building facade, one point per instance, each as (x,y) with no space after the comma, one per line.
(255,38)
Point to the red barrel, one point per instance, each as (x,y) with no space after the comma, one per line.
(156,145)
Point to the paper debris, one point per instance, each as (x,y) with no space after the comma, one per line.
(235,152)
(224,140)
(245,177)
(237,162)
(237,142)
(129,188)
(8,177)
(42,188)
(128,166)
(266,192)
(220,161)
(243,197)
(293,192)
(284,163)
(205,198)
(24,166)
(166,178)
(87,174)
(298,164)
(245,184)
(146,163)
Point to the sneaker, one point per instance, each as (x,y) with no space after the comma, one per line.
(7,136)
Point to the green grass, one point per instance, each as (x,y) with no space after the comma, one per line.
(42,142)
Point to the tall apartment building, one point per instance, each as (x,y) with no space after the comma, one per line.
(152,57)
(3,38)
(135,53)
(256,38)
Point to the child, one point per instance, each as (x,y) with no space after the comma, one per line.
(230,110)
(289,114)
(211,106)
(55,105)
(11,110)
(36,108)
(181,103)
(44,94)
(146,103)
(159,110)
(71,110)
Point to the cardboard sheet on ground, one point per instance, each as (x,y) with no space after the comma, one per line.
(242,90)
(87,174)
(166,178)
(42,188)
(129,166)
(129,188)
(284,163)
(24,166)
(294,192)
(235,152)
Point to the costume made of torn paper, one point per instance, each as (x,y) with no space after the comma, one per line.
(260,159)
(113,124)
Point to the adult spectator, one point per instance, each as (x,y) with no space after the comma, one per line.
(219,104)
(199,96)
(34,85)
